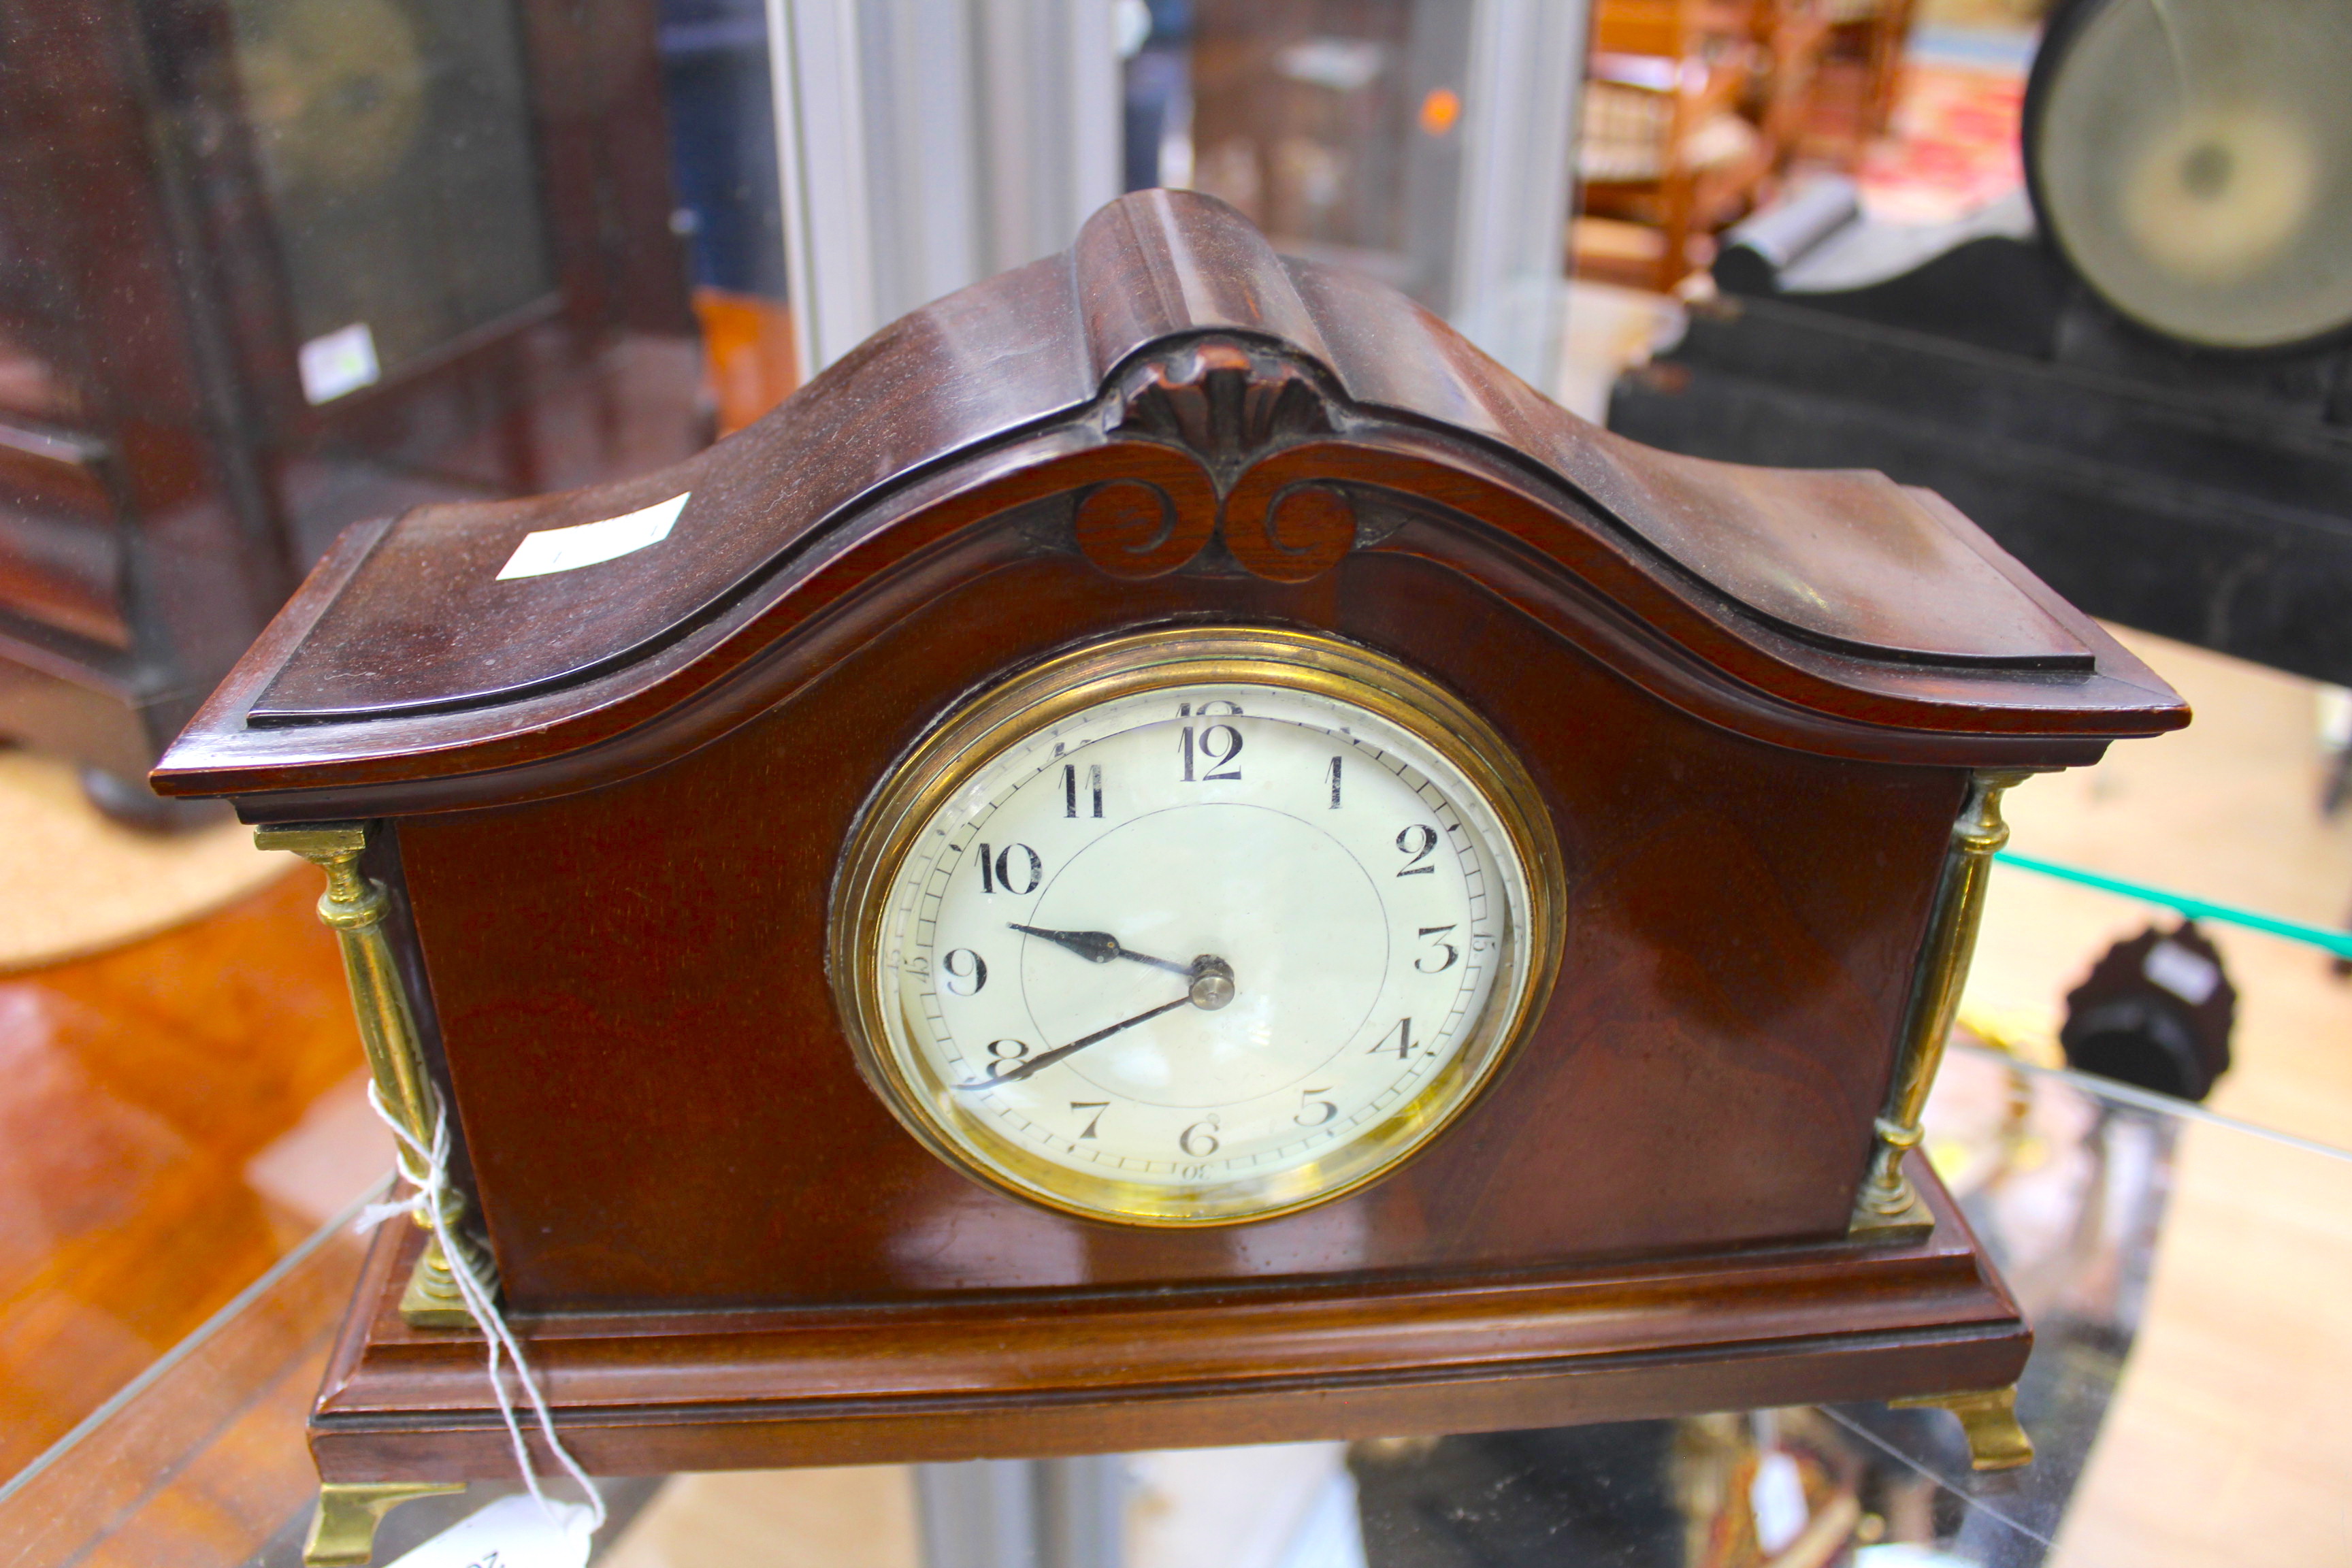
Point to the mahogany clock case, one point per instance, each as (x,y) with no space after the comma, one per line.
(610,802)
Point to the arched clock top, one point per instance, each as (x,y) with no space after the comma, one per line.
(1173,405)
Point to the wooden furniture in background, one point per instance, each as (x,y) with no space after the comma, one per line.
(271,266)
(1858,78)
(747,342)
(1665,144)
(606,806)
(1692,108)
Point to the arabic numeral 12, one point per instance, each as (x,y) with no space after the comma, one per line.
(1217,750)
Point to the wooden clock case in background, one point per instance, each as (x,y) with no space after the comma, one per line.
(1769,712)
(194,196)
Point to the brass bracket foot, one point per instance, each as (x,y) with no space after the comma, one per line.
(1989,1417)
(342,1532)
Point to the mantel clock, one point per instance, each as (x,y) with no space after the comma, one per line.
(1165,855)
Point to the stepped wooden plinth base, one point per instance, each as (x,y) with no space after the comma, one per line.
(1002,1377)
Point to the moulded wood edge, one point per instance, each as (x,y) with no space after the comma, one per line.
(1921,1319)
(210,758)
(225,710)
(1828,1369)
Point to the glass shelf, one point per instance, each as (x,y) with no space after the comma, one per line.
(2182,1271)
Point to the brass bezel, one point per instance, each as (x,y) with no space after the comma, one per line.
(981,728)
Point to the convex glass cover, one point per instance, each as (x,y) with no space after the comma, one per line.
(1196,926)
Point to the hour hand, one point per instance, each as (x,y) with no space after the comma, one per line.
(1099,947)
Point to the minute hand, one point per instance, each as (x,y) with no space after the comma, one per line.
(1038,1064)
(1101,947)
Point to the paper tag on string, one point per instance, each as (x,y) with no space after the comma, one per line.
(1777,1497)
(512,1532)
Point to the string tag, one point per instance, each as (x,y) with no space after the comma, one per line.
(510,1533)
(427,1170)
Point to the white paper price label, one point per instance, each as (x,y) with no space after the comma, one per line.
(589,543)
(512,1532)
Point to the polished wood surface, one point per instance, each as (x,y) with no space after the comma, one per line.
(1007,1377)
(609,803)
(652,956)
(720,675)
(406,664)
(141,1085)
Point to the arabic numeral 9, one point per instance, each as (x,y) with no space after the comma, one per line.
(972,971)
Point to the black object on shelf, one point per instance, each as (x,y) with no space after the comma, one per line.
(2162,432)
(2155,1011)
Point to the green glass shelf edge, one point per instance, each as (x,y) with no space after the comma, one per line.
(2335,942)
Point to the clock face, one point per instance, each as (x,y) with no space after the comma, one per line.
(1200,937)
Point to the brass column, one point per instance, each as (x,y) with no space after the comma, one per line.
(355,906)
(1888,1207)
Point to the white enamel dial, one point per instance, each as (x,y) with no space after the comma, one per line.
(1201,950)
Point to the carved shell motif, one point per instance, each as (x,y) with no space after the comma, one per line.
(1224,403)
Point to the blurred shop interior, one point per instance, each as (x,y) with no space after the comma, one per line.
(269,268)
